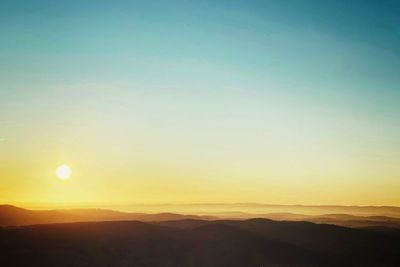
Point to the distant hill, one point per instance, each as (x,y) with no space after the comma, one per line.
(260,208)
(196,243)
(14,216)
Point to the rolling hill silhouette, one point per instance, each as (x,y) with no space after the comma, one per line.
(255,242)
(11,215)
(15,216)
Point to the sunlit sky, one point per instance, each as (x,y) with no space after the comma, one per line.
(292,102)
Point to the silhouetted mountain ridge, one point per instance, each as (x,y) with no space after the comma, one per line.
(255,242)
(15,216)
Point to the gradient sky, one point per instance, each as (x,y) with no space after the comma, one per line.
(200,101)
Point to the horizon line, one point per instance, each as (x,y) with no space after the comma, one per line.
(49,204)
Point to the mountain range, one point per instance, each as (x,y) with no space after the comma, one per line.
(15,216)
(196,243)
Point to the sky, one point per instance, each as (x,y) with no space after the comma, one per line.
(290,102)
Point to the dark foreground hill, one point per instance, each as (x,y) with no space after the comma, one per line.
(256,242)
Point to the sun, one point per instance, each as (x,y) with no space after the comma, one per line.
(63,172)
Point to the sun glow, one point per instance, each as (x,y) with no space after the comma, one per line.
(63,172)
